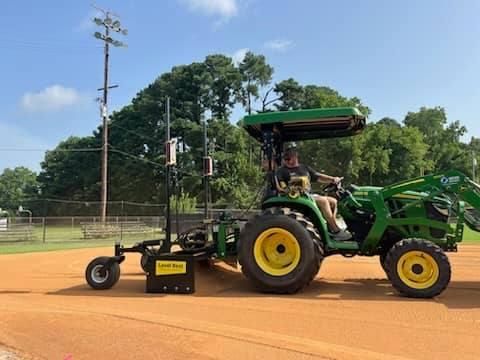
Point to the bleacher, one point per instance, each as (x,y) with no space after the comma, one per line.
(17,232)
(110,229)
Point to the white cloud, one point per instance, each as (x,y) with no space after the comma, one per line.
(279,45)
(239,55)
(223,8)
(52,98)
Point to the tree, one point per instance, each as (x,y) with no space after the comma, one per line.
(376,155)
(236,179)
(443,141)
(408,156)
(389,122)
(71,174)
(16,186)
(256,73)
(224,85)
(290,95)
(430,121)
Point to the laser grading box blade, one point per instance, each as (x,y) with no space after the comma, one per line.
(171,274)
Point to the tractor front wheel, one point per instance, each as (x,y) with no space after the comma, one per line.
(418,268)
(278,254)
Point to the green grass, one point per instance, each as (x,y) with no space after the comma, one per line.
(67,237)
(69,233)
(20,248)
(470,236)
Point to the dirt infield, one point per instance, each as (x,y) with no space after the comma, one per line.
(349,312)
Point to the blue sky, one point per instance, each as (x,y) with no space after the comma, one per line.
(395,56)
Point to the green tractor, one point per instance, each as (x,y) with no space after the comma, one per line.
(409,225)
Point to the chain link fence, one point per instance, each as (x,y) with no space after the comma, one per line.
(64,229)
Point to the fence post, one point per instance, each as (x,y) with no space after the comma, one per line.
(44,229)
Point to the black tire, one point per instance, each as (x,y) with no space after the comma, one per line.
(144,262)
(427,260)
(382,258)
(305,235)
(98,281)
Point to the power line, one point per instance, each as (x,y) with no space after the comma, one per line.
(140,204)
(83,202)
(45,45)
(136,157)
(133,132)
(55,150)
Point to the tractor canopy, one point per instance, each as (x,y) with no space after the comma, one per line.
(306,124)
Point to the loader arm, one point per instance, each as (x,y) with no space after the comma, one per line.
(453,184)
(450,183)
(471,194)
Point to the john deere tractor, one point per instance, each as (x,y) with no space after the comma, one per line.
(409,225)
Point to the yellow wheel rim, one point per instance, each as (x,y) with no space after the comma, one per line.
(418,270)
(277,251)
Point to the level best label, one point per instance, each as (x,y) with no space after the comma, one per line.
(170,267)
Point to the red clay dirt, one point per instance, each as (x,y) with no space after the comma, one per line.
(350,311)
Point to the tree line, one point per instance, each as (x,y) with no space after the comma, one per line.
(389,150)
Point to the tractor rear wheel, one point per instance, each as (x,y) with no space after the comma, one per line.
(418,268)
(279,252)
(382,258)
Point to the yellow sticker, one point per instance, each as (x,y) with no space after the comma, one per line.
(169,267)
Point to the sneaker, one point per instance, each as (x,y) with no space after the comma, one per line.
(342,235)
(341,223)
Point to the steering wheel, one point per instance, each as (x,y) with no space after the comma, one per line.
(333,187)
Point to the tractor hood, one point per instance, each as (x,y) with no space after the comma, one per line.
(307,124)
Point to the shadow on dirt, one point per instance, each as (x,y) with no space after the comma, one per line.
(218,281)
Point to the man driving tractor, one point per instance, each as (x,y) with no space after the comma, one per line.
(292,169)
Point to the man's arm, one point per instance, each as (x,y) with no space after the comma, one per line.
(322,178)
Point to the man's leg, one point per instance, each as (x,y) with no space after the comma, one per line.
(328,207)
(325,207)
(333,205)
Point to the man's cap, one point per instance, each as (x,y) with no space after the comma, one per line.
(290,145)
(290,150)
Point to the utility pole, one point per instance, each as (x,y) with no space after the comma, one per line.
(110,22)
(168,228)
(205,176)
(474,166)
